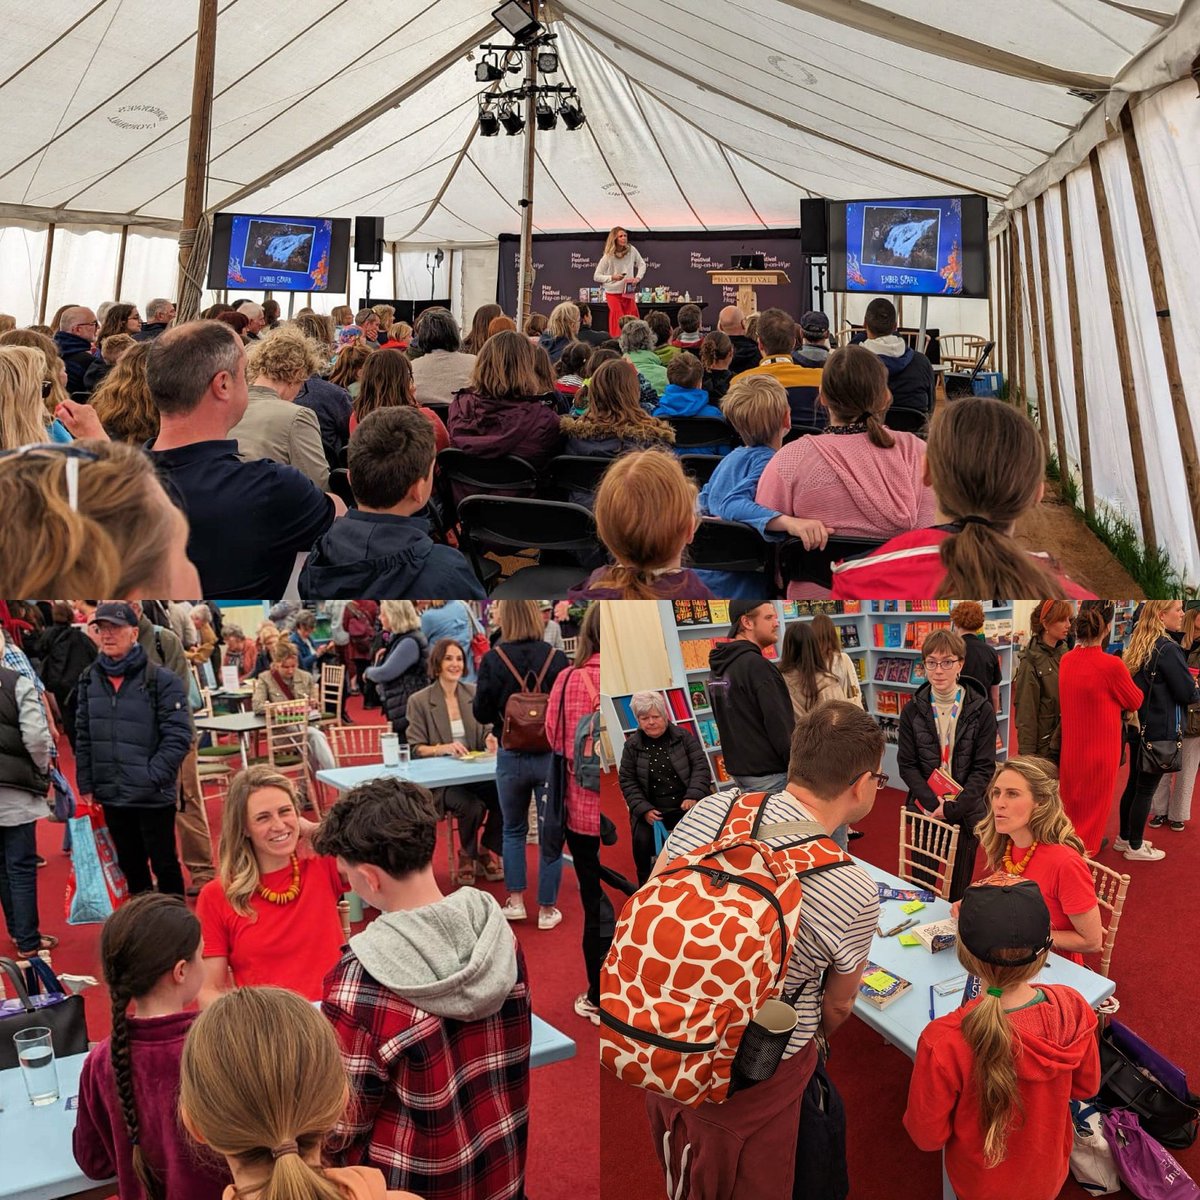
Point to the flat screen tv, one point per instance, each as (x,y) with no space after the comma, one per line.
(279,254)
(935,246)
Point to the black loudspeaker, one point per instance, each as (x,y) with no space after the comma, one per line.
(368,241)
(814,231)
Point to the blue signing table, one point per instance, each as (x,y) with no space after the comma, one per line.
(438,772)
(36,1162)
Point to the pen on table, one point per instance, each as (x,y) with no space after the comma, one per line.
(932,1013)
(901,927)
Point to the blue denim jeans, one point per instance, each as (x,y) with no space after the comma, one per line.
(519,776)
(18,884)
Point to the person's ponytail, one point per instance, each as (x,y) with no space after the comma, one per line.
(292,1178)
(983,561)
(634,583)
(877,431)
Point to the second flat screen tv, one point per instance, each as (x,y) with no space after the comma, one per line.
(281,254)
(935,246)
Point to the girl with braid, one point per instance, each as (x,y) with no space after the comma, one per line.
(127,1126)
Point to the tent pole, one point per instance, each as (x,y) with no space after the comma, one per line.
(1166,331)
(1035,333)
(1116,304)
(121,260)
(188,302)
(1014,274)
(1003,320)
(1060,434)
(991,306)
(46,260)
(1085,452)
(525,289)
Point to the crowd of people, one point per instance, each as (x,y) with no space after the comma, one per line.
(991,1081)
(417,1063)
(300,456)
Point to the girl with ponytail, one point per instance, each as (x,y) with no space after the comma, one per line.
(992,1080)
(262,1084)
(985,462)
(150,949)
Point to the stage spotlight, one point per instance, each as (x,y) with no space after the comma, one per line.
(488,71)
(511,119)
(572,114)
(547,118)
(516,21)
(489,123)
(547,61)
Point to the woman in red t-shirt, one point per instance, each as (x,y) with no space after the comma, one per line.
(1027,835)
(270,916)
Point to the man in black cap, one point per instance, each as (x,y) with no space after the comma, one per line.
(814,340)
(750,701)
(132,733)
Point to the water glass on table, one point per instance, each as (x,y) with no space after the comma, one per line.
(35,1053)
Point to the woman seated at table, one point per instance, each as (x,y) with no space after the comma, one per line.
(202,651)
(1027,834)
(270,916)
(442,725)
(664,771)
(284,680)
(240,651)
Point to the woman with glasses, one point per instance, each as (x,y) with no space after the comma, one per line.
(949,727)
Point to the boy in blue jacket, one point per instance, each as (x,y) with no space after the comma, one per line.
(757,407)
(382,550)
(684,397)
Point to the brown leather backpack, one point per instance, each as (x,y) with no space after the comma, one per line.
(525,710)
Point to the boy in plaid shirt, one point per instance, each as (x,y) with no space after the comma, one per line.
(431,1006)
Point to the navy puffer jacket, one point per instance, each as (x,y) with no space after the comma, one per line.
(130,742)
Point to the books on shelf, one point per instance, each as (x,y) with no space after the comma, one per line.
(719,768)
(698,693)
(677,702)
(918,671)
(701,612)
(849,635)
(880,987)
(718,611)
(887,702)
(889,635)
(997,631)
(860,666)
(696,651)
(890,728)
(709,734)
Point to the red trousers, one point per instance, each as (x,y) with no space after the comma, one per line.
(619,306)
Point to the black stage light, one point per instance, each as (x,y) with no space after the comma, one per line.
(573,116)
(516,21)
(547,61)
(489,123)
(547,118)
(511,119)
(488,70)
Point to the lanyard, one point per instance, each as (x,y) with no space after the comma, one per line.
(945,726)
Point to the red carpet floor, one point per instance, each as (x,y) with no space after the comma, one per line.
(564,1155)
(1150,963)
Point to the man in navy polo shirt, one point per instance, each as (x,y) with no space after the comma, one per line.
(248,520)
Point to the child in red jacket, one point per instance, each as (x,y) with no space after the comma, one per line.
(992,1080)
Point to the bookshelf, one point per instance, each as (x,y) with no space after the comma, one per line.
(1122,626)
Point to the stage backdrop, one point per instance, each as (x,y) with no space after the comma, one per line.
(563,264)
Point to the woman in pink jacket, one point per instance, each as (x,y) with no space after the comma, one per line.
(858,477)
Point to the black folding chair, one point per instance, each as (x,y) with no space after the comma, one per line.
(797,565)
(906,420)
(514,524)
(693,433)
(481,477)
(962,383)
(799,431)
(730,546)
(700,466)
(339,485)
(570,473)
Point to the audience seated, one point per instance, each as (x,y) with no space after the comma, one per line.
(442,368)
(479,333)
(684,397)
(24,419)
(660,326)
(910,377)
(637,344)
(284,679)
(7,322)
(160,312)
(501,409)
(647,554)
(595,359)
(77,328)
(593,337)
(236,321)
(382,549)
(987,467)
(776,342)
(348,366)
(535,325)
(329,401)
(54,377)
(570,369)
(111,348)
(732,322)
(387,381)
(562,329)
(716,355)
(858,477)
(814,340)
(501,324)
(689,335)
(367,320)
(272,426)
(398,334)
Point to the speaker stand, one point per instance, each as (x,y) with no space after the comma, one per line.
(368,272)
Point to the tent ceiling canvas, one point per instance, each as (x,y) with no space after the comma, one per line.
(711,114)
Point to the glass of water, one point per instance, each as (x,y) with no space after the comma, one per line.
(405,754)
(35,1053)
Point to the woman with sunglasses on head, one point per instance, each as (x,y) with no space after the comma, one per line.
(26,387)
(949,726)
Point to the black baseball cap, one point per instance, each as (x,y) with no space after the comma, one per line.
(114,612)
(814,323)
(996,918)
(738,609)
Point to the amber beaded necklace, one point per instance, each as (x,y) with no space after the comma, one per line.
(284,897)
(1017,868)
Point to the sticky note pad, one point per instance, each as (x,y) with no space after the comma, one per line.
(908,939)
(912,906)
(880,980)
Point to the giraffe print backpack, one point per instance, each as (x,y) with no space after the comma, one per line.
(700,948)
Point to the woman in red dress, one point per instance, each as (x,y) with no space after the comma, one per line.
(1094,688)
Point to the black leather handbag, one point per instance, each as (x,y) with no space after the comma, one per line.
(1123,1084)
(40,1001)
(1165,755)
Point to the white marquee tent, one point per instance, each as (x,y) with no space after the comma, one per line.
(708,115)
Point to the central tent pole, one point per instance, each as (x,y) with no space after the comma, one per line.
(525,286)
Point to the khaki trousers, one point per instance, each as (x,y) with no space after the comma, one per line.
(191,825)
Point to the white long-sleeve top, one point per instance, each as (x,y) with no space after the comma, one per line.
(633,266)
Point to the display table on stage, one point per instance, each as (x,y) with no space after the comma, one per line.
(746,282)
(670,307)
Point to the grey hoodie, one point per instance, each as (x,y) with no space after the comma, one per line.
(455,959)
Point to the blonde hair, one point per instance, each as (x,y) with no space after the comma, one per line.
(7,322)
(401,615)
(610,243)
(757,407)
(519,620)
(22,414)
(988,1033)
(35,340)
(1048,823)
(646,481)
(342,314)
(286,356)
(115,543)
(246,1090)
(123,401)
(237,868)
(386,314)
(284,649)
(318,327)
(564,320)
(1146,632)
(115,345)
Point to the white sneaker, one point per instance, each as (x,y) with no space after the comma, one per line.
(514,909)
(1145,853)
(585,1008)
(1122,843)
(548,918)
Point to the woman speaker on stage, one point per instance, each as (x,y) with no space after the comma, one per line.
(620,266)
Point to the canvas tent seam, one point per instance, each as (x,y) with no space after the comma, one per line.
(745,194)
(663,155)
(557,187)
(447,181)
(50,45)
